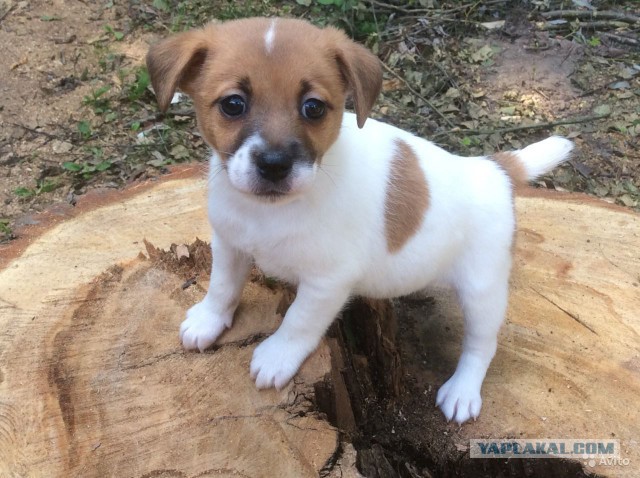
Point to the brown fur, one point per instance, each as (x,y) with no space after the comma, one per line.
(510,163)
(407,197)
(231,58)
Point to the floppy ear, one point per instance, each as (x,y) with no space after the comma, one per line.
(362,71)
(175,63)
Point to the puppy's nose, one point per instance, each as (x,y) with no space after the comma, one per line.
(274,165)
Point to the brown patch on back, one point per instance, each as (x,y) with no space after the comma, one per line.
(407,197)
(512,165)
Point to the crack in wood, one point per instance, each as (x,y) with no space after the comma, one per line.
(573,316)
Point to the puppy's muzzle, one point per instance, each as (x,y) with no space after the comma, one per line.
(274,165)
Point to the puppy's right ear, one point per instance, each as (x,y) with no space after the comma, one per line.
(175,63)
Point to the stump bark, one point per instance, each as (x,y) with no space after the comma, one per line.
(94,382)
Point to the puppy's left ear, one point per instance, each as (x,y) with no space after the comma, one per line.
(175,63)
(362,72)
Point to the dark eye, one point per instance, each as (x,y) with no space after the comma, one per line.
(233,105)
(313,109)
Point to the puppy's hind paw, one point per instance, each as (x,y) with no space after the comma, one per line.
(458,400)
(201,328)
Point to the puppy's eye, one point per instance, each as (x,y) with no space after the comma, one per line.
(313,109)
(233,105)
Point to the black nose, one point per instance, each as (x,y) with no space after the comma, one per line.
(274,165)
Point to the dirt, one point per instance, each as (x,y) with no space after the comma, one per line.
(56,56)
(74,110)
(48,50)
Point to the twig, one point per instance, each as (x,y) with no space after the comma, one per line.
(9,10)
(475,132)
(35,131)
(621,39)
(586,25)
(397,8)
(606,15)
(435,11)
(410,88)
(158,116)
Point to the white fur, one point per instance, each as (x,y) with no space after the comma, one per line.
(244,176)
(269,36)
(330,241)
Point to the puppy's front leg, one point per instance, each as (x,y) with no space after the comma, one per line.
(277,359)
(207,319)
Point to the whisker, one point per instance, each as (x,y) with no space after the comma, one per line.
(321,168)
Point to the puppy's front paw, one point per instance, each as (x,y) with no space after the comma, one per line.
(459,399)
(276,360)
(202,327)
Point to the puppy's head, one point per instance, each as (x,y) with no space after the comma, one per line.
(269,95)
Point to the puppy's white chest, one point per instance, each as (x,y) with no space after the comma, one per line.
(274,245)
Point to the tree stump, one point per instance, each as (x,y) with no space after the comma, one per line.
(93,378)
(94,382)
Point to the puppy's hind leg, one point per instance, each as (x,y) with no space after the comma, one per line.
(483,297)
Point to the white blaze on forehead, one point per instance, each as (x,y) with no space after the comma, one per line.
(269,36)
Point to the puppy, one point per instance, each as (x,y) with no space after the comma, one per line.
(318,198)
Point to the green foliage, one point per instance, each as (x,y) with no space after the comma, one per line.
(42,186)
(139,86)
(357,17)
(88,168)
(161,5)
(97,101)
(594,41)
(116,34)
(84,128)
(5,228)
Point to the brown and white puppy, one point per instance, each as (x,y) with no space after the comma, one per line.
(315,197)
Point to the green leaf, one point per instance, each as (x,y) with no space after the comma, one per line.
(103,166)
(73,167)
(49,18)
(84,128)
(47,187)
(24,192)
(304,3)
(139,86)
(118,35)
(161,5)
(101,91)
(109,117)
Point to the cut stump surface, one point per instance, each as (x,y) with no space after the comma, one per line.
(94,382)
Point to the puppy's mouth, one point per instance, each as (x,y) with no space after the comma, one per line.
(271,173)
(271,192)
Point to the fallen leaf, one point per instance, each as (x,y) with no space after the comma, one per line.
(602,110)
(179,152)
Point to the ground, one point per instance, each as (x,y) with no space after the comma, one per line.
(77,112)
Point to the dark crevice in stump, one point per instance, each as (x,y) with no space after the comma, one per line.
(382,407)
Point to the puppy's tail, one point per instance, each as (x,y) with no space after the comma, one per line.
(535,160)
